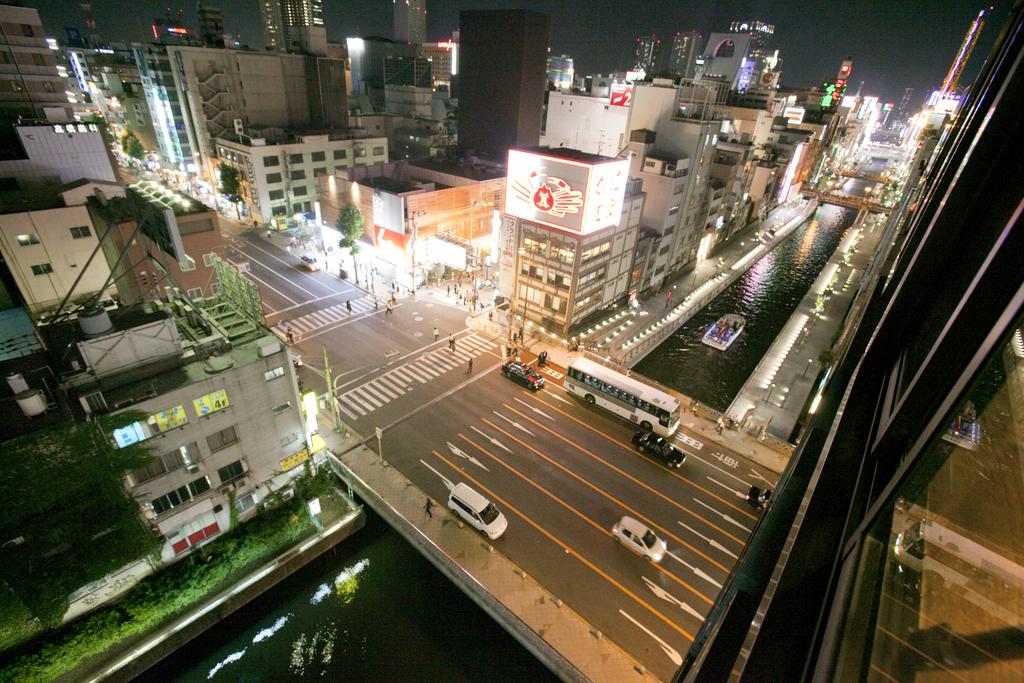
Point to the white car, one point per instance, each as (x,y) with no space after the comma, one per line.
(310,263)
(638,538)
(478,512)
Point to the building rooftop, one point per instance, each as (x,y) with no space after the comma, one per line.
(162,197)
(569,154)
(464,168)
(258,137)
(17,334)
(389,184)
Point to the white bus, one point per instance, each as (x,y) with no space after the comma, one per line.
(641,403)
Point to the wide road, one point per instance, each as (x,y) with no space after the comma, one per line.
(561,471)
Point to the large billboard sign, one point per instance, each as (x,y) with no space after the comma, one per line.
(389,211)
(621,95)
(562,193)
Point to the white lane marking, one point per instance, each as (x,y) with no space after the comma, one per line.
(491,439)
(557,397)
(462,454)
(447,482)
(728,474)
(690,441)
(284,263)
(306,303)
(711,542)
(534,409)
(342,408)
(725,486)
(513,423)
(672,654)
(754,473)
(668,597)
(272,287)
(693,569)
(724,516)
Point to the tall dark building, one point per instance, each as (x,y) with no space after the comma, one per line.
(211,25)
(502,62)
(892,549)
(685,49)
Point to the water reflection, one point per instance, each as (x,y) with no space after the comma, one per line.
(766,295)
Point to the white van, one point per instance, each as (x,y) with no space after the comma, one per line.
(478,512)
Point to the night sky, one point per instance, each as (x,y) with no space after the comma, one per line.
(894,43)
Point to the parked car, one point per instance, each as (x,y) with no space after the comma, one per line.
(637,537)
(478,512)
(309,263)
(652,444)
(524,374)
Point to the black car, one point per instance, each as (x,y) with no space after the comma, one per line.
(524,374)
(652,444)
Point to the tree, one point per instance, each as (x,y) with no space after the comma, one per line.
(350,225)
(62,494)
(131,146)
(231,186)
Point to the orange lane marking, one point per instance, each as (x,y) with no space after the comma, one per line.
(636,513)
(634,452)
(628,476)
(579,514)
(566,548)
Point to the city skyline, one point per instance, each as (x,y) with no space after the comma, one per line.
(892,47)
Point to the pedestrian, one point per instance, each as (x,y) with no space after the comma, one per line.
(376,304)
(469,367)
(451,342)
(449,289)
(490,316)
(428,508)
(436,333)
(348,307)
(288,248)
(291,337)
(388,311)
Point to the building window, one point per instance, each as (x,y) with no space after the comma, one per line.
(298,175)
(26,30)
(208,259)
(594,252)
(80,232)
(340,154)
(222,439)
(559,279)
(299,191)
(562,254)
(186,265)
(181,495)
(318,156)
(231,471)
(37,59)
(195,293)
(272,160)
(42,269)
(322,170)
(48,86)
(273,374)
(534,246)
(378,151)
(214,288)
(25,240)
(276,195)
(281,408)
(246,502)
(273,178)
(295,158)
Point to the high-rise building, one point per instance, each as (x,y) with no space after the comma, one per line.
(410,21)
(29,83)
(294,25)
(561,71)
(501,91)
(645,56)
(444,60)
(211,25)
(686,47)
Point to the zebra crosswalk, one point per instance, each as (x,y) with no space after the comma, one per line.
(312,322)
(398,381)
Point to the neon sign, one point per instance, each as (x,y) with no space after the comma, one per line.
(448,45)
(621,95)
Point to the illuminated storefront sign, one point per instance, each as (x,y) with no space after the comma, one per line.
(621,95)
(211,403)
(389,211)
(794,115)
(294,460)
(564,193)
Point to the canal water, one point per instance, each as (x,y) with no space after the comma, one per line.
(766,295)
(372,609)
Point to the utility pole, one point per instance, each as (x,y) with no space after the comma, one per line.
(330,393)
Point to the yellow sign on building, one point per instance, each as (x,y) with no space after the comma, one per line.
(294,460)
(169,419)
(211,403)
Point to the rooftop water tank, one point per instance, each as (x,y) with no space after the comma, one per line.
(31,402)
(17,383)
(94,322)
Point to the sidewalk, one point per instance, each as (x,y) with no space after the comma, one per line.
(558,636)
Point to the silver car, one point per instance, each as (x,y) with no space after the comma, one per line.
(640,539)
